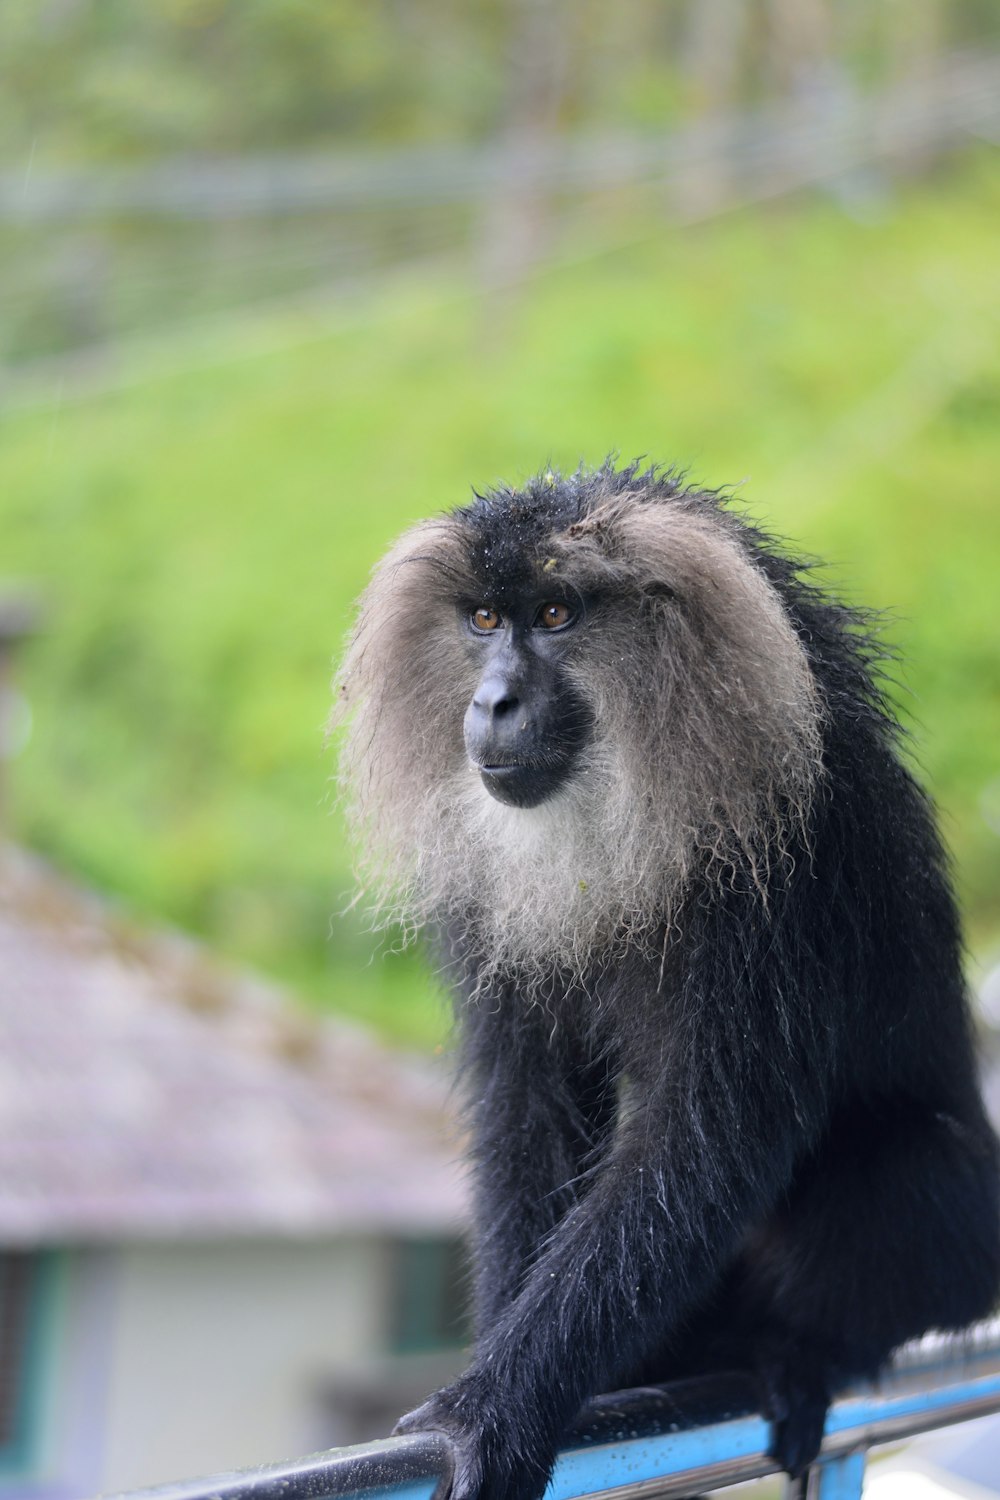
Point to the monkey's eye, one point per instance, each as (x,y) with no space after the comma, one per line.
(485,619)
(553,616)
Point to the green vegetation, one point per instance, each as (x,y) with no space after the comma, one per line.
(112,81)
(200,535)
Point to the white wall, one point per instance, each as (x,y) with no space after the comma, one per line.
(217,1351)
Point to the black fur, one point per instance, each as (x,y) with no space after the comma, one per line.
(766,1150)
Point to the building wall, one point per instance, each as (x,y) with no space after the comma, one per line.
(218,1352)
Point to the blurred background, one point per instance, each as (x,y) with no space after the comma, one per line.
(279,277)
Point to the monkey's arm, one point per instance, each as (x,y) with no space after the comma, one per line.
(724,1114)
(537,1117)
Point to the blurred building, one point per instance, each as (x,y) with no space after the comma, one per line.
(227,1234)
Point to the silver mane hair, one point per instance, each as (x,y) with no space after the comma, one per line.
(705,754)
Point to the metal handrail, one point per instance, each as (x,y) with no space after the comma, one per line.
(660,1441)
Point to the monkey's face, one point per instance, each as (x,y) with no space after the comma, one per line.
(525,725)
(565,701)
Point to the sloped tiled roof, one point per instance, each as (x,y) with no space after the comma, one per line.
(146,1092)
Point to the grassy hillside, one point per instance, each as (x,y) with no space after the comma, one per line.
(200,535)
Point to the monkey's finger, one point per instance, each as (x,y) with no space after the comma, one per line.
(796,1441)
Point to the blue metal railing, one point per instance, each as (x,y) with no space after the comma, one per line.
(660,1441)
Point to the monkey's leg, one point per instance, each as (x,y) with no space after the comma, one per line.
(891,1230)
(622,1265)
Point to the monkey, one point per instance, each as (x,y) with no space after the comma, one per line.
(636,773)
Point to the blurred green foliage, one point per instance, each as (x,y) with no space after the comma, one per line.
(116,81)
(200,535)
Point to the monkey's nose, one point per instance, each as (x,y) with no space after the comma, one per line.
(495,698)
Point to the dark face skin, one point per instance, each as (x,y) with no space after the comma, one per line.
(526,724)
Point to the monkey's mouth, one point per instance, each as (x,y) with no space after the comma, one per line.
(504,768)
(522,783)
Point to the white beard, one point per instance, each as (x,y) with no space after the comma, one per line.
(544,888)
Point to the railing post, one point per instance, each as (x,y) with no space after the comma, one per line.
(840,1477)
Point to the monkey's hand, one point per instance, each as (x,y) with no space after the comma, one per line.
(794,1391)
(495,1457)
